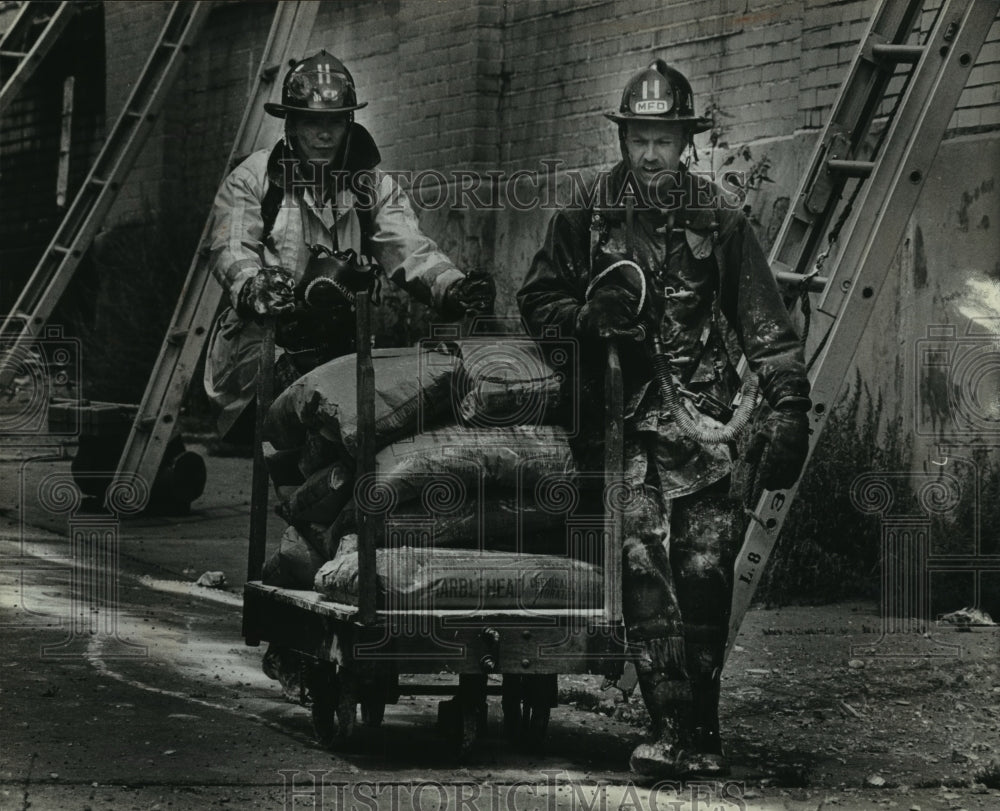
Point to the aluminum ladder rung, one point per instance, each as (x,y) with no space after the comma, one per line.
(270,73)
(891,52)
(851,168)
(815,284)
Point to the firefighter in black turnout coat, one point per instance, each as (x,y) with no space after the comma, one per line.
(658,260)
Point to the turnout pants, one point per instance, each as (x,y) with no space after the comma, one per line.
(678,574)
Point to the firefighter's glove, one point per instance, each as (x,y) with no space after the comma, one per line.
(472,294)
(779,448)
(269,293)
(610,312)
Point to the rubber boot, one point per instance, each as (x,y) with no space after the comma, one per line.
(670,708)
(705,758)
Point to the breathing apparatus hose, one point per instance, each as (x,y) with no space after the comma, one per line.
(662,366)
(672,401)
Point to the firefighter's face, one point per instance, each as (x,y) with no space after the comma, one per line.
(654,149)
(318,137)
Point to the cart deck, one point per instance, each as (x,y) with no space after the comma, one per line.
(354,654)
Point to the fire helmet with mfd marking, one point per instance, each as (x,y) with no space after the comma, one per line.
(660,93)
(318,84)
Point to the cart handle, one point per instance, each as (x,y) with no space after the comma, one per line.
(259,490)
(368,523)
(614,480)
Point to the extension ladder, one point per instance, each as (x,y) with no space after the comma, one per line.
(889,185)
(54,271)
(31,35)
(155,422)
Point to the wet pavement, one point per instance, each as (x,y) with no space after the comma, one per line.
(124,685)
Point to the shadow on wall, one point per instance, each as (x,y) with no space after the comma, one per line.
(139,273)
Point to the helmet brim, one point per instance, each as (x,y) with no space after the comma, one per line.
(281,110)
(695,123)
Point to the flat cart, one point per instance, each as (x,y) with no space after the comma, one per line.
(354,654)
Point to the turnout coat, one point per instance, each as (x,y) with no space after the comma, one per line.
(306,218)
(711,297)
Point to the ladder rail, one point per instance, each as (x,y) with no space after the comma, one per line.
(861,93)
(91,203)
(873,236)
(156,420)
(33,56)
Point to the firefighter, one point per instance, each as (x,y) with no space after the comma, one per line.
(322,210)
(660,259)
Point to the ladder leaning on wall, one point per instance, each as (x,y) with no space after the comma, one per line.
(54,271)
(31,35)
(153,422)
(870,227)
(156,420)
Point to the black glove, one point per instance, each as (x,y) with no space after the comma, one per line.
(610,311)
(474,293)
(779,448)
(269,293)
(329,330)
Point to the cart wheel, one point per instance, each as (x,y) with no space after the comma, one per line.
(510,703)
(372,712)
(463,719)
(372,693)
(527,705)
(334,705)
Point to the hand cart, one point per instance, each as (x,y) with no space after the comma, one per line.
(354,654)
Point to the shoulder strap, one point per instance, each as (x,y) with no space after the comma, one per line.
(728,331)
(366,219)
(269,208)
(271,204)
(365,198)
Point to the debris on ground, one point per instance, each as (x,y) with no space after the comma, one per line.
(212,580)
(970,617)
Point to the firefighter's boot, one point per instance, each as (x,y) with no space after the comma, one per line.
(670,708)
(705,757)
(704,660)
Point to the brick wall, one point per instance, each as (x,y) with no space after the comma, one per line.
(30,134)
(130,31)
(488,84)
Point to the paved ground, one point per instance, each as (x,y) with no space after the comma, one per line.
(158,704)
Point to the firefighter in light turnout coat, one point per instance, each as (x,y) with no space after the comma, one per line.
(658,255)
(320,206)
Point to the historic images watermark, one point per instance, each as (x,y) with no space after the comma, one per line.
(550,187)
(318,789)
(932,521)
(40,415)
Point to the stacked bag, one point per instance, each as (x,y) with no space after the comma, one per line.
(474,480)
